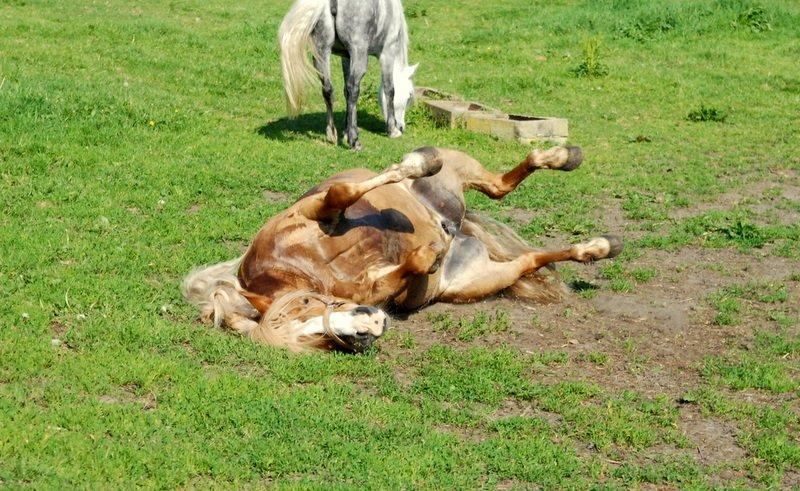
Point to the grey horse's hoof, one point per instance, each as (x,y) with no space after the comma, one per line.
(574,159)
(331,135)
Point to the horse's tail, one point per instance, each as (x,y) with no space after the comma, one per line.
(294,37)
(504,245)
(216,291)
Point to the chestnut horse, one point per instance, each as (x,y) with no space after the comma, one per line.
(315,274)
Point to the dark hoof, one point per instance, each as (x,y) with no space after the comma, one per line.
(615,245)
(357,343)
(433,162)
(574,160)
(433,166)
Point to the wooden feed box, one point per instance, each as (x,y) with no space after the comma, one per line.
(479,118)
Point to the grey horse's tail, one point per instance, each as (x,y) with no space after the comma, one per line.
(294,37)
(504,245)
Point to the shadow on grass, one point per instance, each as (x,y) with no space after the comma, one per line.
(578,286)
(312,125)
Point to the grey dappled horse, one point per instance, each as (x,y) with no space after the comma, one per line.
(353,29)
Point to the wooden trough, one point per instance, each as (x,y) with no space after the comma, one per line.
(451,112)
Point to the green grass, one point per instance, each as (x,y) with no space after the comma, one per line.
(137,141)
(466,329)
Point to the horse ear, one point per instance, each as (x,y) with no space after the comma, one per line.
(411,70)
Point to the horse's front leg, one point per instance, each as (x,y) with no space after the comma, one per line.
(354,70)
(334,201)
(387,92)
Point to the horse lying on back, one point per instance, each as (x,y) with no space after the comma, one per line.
(314,274)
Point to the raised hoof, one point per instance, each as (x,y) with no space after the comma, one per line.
(574,159)
(420,164)
(615,245)
(604,247)
(433,166)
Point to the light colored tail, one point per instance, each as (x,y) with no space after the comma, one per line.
(216,291)
(294,37)
(504,244)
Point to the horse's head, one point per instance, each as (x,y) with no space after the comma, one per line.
(311,320)
(403,94)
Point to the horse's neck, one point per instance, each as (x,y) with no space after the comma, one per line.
(401,46)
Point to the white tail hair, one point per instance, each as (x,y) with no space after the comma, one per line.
(216,291)
(294,37)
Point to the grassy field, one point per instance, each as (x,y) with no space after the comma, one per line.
(141,139)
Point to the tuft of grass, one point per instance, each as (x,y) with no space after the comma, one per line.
(754,19)
(707,114)
(596,357)
(783,319)
(749,372)
(643,275)
(648,26)
(468,329)
(728,308)
(619,280)
(639,206)
(591,66)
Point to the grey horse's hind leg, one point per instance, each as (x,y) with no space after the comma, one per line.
(324,35)
(323,66)
(354,70)
(387,81)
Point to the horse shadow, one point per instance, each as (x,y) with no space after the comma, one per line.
(312,126)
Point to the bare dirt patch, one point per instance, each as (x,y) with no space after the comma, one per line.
(275,196)
(127,395)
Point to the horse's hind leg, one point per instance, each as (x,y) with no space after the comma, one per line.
(324,35)
(343,194)
(324,68)
(474,176)
(470,274)
(354,69)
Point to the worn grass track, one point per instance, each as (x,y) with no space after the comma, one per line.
(138,141)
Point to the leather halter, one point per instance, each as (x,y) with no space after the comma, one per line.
(285,302)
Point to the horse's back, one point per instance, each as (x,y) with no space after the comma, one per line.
(367,22)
